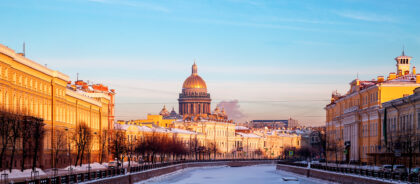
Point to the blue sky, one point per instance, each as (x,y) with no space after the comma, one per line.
(277,58)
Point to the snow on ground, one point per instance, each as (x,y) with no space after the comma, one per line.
(233,175)
(368,167)
(354,175)
(16,173)
(84,167)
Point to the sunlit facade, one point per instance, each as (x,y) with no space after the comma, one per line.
(353,120)
(401,131)
(29,88)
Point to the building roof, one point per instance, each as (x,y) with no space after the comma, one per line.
(241,128)
(247,135)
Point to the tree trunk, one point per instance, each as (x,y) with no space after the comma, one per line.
(82,155)
(22,165)
(35,154)
(12,157)
(77,157)
(3,150)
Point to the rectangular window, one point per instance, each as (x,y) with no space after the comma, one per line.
(400,123)
(418,120)
(395,123)
(410,120)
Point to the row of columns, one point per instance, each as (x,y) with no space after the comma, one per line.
(194,108)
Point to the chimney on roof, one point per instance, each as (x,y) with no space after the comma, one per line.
(23,51)
(392,76)
(381,79)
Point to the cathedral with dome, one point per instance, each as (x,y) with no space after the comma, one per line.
(194,101)
(196,124)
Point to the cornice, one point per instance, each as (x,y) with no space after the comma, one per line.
(32,64)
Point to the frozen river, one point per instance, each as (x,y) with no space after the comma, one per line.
(266,174)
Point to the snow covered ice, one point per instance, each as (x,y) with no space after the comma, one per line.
(266,174)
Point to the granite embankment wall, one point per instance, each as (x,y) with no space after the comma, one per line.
(144,175)
(330,176)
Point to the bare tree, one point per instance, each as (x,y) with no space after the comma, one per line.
(117,144)
(402,142)
(131,146)
(81,138)
(59,145)
(103,139)
(153,144)
(140,147)
(176,148)
(305,152)
(194,147)
(89,147)
(14,137)
(258,152)
(334,148)
(37,136)
(5,131)
(26,135)
(213,148)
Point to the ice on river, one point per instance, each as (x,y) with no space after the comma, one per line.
(266,174)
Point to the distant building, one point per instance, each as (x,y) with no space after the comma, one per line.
(194,99)
(196,122)
(288,123)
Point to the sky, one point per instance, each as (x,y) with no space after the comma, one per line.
(260,59)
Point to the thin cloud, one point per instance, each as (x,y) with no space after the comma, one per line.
(134,4)
(369,17)
(266,70)
(249,2)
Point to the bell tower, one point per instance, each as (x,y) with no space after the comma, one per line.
(403,64)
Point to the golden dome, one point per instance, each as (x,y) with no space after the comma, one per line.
(194,80)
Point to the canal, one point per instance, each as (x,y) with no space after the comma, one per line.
(266,174)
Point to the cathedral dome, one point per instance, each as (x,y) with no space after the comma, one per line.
(194,81)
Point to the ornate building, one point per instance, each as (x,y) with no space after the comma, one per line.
(194,99)
(197,124)
(353,120)
(30,89)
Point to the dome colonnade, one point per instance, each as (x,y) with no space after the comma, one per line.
(194,99)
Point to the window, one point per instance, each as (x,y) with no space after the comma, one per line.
(418,120)
(410,120)
(394,122)
(400,123)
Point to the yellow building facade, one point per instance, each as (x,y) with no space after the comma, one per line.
(29,88)
(353,120)
(230,140)
(151,121)
(401,131)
